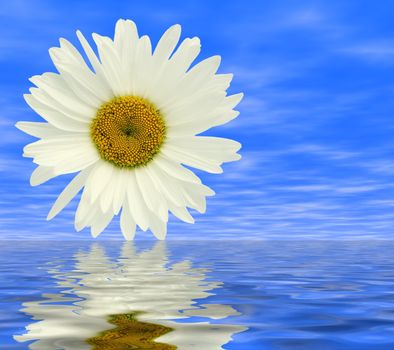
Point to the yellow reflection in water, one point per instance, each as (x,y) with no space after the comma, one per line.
(130,334)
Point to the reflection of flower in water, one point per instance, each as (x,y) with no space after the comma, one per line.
(144,282)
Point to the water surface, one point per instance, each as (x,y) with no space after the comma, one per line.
(213,294)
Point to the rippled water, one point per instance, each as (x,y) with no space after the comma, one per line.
(214,295)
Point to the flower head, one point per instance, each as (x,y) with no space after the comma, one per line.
(127,123)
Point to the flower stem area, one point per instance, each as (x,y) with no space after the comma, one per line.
(130,333)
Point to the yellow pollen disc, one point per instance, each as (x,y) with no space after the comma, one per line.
(128,131)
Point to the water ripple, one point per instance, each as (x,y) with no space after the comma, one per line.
(232,295)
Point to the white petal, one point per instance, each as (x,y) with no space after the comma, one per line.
(158,227)
(50,80)
(223,81)
(182,214)
(94,218)
(142,66)
(83,211)
(177,193)
(206,68)
(84,87)
(69,54)
(195,81)
(171,76)
(102,83)
(69,193)
(94,61)
(185,55)
(175,169)
(39,130)
(62,98)
(51,100)
(162,211)
(195,195)
(89,217)
(196,202)
(207,143)
(99,179)
(200,125)
(100,222)
(110,63)
(127,224)
(225,118)
(186,157)
(107,196)
(136,202)
(166,185)
(126,40)
(223,114)
(66,154)
(194,109)
(119,188)
(217,150)
(200,78)
(79,78)
(40,175)
(147,189)
(232,101)
(55,118)
(167,43)
(69,164)
(72,53)
(119,36)
(159,63)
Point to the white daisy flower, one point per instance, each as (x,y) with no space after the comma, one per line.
(128,125)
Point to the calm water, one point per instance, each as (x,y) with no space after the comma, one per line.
(230,295)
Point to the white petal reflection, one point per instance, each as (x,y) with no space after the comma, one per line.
(136,281)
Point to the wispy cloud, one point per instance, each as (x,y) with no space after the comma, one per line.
(374,51)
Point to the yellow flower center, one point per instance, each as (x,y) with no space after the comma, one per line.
(128,131)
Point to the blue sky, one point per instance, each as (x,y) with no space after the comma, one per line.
(316,122)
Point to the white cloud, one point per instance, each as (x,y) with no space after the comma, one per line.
(375,51)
